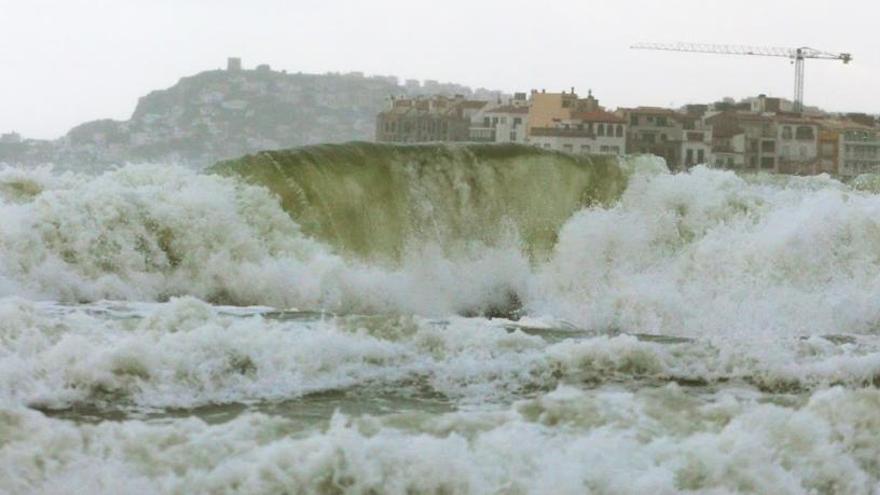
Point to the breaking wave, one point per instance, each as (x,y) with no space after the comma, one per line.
(485,319)
(691,254)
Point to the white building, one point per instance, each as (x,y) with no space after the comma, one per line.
(596,132)
(798,140)
(859,151)
(502,123)
(696,143)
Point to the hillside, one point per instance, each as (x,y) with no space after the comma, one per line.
(222,114)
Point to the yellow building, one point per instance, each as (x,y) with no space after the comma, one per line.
(548,109)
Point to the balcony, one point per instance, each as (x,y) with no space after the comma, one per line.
(561,132)
(482,134)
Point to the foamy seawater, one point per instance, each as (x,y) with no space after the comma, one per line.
(165,331)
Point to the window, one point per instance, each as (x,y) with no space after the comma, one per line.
(601,130)
(767,162)
(634,119)
(615,150)
(504,120)
(768,146)
(786,132)
(701,156)
(662,137)
(804,132)
(517,121)
(567,147)
(661,121)
(487,122)
(604,149)
(513,136)
(689,157)
(619,130)
(585,148)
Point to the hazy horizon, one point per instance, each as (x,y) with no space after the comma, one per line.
(78,61)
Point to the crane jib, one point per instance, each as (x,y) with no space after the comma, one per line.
(799,55)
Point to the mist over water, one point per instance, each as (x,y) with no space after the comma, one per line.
(377,319)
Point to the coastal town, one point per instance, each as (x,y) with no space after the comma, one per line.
(232,111)
(756,134)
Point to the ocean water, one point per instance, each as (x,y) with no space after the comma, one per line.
(373,319)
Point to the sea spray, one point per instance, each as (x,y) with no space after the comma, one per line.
(173,332)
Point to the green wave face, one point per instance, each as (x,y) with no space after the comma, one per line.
(374,201)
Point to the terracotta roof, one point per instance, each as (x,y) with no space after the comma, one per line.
(598,116)
(652,111)
(838,124)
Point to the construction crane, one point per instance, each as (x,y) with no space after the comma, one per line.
(797,55)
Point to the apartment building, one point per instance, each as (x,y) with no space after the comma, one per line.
(565,122)
(598,132)
(421,120)
(764,142)
(798,142)
(656,131)
(503,122)
(547,109)
(696,143)
(859,151)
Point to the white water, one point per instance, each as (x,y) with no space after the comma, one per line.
(758,296)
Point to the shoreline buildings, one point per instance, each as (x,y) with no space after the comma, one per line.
(757,134)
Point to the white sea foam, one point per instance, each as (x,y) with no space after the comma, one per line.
(567,441)
(750,288)
(149,232)
(709,254)
(187,353)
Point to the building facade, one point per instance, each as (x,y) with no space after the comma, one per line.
(859,151)
(502,122)
(423,120)
(656,131)
(597,133)
(798,141)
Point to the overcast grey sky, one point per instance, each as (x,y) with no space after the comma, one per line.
(65,62)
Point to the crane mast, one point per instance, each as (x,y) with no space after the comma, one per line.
(796,55)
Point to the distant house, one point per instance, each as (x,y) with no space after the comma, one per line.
(849,148)
(565,122)
(658,131)
(595,132)
(767,142)
(422,120)
(503,122)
